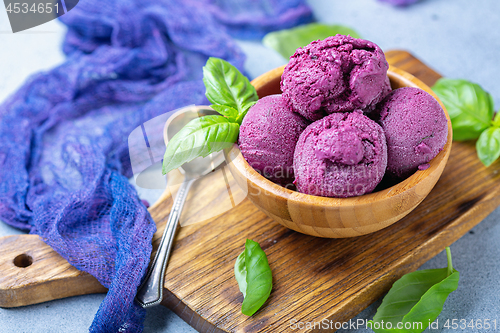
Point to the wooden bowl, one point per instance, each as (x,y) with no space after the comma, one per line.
(337,217)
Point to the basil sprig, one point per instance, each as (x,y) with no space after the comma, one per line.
(232,95)
(471,112)
(200,137)
(488,145)
(469,106)
(254,277)
(287,41)
(416,300)
(230,91)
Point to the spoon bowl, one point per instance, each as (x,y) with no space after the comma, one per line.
(200,166)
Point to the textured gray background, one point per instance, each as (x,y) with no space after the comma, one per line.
(459,39)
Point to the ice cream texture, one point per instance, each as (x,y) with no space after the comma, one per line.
(337,74)
(341,155)
(415,127)
(268,135)
(338,129)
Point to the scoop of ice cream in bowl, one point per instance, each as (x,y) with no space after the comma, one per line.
(343,155)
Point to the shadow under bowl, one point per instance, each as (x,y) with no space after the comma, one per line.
(337,217)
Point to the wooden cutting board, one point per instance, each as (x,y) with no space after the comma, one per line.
(314,278)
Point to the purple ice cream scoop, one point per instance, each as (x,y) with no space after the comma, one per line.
(268,135)
(342,155)
(337,74)
(415,127)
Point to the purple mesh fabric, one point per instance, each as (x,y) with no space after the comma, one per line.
(63,136)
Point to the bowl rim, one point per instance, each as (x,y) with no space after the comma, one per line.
(435,169)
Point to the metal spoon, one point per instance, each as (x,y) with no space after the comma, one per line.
(150,293)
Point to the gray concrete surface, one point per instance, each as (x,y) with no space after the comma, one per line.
(459,39)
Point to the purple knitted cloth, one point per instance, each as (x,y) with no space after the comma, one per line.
(64,160)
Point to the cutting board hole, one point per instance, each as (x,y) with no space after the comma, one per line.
(23,260)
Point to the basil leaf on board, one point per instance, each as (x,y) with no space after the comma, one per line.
(488,145)
(469,106)
(200,137)
(240,273)
(254,277)
(227,86)
(287,41)
(417,297)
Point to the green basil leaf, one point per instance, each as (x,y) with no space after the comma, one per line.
(496,120)
(415,300)
(240,273)
(254,277)
(242,115)
(287,41)
(469,106)
(200,137)
(227,86)
(488,145)
(229,112)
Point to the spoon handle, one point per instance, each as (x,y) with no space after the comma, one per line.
(150,292)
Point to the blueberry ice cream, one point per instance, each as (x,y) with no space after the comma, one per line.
(416,129)
(341,155)
(337,74)
(268,135)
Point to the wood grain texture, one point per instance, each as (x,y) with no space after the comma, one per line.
(31,272)
(333,279)
(314,278)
